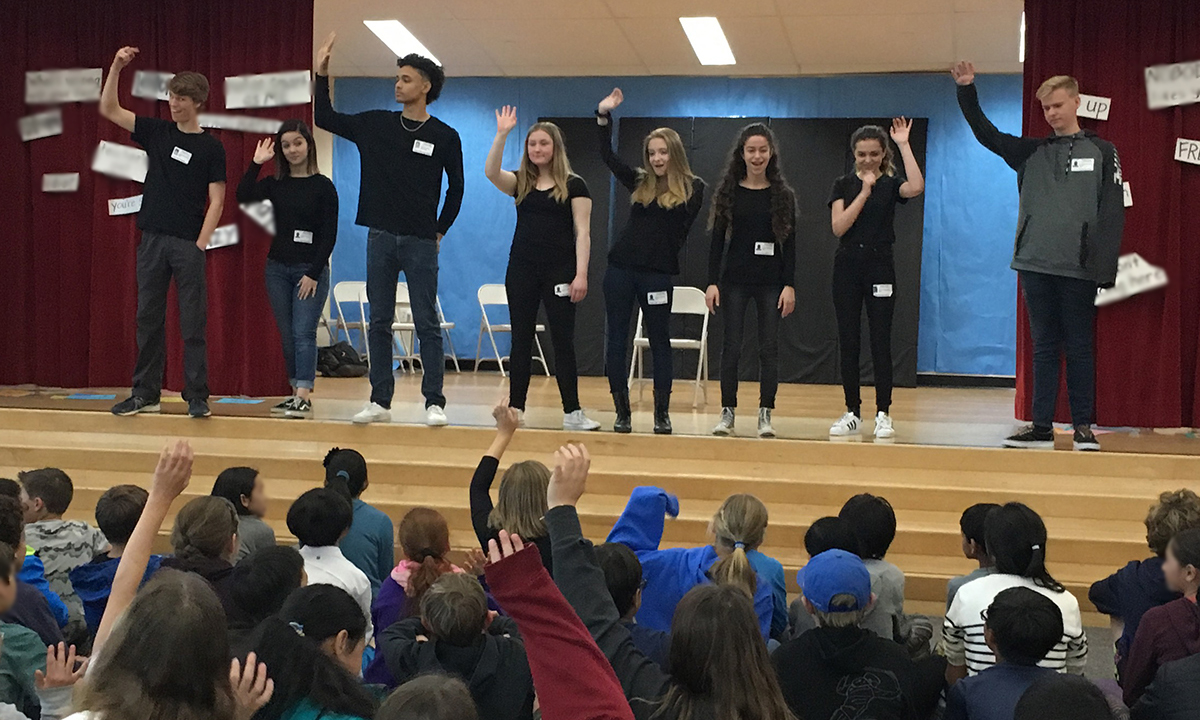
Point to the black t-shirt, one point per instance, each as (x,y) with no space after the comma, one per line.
(305,210)
(755,256)
(181,166)
(874,225)
(545,233)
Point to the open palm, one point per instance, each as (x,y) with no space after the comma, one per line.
(506,118)
(900,130)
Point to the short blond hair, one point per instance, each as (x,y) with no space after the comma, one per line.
(1174,512)
(1065,82)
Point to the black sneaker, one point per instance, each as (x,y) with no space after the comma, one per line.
(198,408)
(300,408)
(1085,440)
(1031,437)
(283,407)
(134,405)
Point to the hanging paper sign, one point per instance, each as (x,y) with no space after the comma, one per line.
(151,85)
(1094,106)
(1134,276)
(262,213)
(50,87)
(223,237)
(41,125)
(241,123)
(1128,194)
(268,90)
(125,206)
(60,182)
(121,161)
(1187,151)
(1171,85)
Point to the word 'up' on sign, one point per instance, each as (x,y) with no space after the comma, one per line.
(1187,151)
(1094,106)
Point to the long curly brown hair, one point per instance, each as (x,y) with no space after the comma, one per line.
(783,198)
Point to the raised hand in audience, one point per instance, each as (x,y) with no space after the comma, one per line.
(508,545)
(569,478)
(251,687)
(63,668)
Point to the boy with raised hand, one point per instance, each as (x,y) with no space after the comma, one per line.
(186,170)
(403,156)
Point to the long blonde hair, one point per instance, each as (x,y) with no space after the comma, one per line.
(679,173)
(521,505)
(560,166)
(739,526)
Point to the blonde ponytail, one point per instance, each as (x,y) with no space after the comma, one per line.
(739,526)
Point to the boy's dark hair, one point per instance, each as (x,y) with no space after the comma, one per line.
(233,483)
(320,517)
(263,580)
(454,609)
(432,696)
(1186,548)
(118,511)
(1025,624)
(829,533)
(8,563)
(622,574)
(10,487)
(12,520)
(1061,696)
(51,485)
(190,84)
(429,69)
(873,522)
(973,523)
(345,472)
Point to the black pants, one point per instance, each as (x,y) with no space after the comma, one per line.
(865,275)
(1062,314)
(651,291)
(734,301)
(530,285)
(159,258)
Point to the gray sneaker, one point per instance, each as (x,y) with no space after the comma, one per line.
(725,424)
(764,423)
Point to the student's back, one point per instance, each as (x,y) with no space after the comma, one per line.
(370,543)
(1174,694)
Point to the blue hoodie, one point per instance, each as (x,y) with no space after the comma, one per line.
(33,572)
(669,574)
(1127,594)
(93,584)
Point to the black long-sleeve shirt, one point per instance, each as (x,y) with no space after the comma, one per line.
(401,166)
(653,235)
(306,210)
(755,257)
(481,510)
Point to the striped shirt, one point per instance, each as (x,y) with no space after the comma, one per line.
(962,634)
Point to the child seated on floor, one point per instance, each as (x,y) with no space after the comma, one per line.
(972,525)
(827,533)
(370,543)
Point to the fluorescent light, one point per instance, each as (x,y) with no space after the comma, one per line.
(398,38)
(1021,51)
(708,40)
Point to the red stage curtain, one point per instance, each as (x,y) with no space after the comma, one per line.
(1146,370)
(69,294)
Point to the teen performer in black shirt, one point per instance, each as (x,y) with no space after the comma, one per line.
(548,263)
(186,171)
(754,212)
(863,206)
(666,197)
(305,206)
(403,155)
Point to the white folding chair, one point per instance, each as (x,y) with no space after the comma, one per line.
(495,294)
(348,292)
(685,300)
(404,330)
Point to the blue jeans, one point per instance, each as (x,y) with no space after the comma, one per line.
(296,318)
(1062,316)
(388,255)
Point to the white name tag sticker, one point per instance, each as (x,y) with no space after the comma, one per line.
(562,289)
(764,248)
(1128,194)
(883,290)
(1083,164)
(657,298)
(181,155)
(422,147)
(302,236)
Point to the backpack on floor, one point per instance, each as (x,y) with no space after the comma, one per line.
(340,360)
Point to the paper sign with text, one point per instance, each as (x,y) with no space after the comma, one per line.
(1134,276)
(223,237)
(41,125)
(60,182)
(1171,85)
(1187,151)
(125,206)
(50,87)
(262,213)
(1094,106)
(151,85)
(241,123)
(269,90)
(121,161)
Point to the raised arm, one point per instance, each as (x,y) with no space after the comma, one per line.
(110,105)
(581,212)
(625,175)
(1012,149)
(504,180)
(844,215)
(249,189)
(640,525)
(324,116)
(507,422)
(914,183)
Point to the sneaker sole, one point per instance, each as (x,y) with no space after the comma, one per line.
(297,414)
(1030,444)
(146,409)
(581,428)
(722,432)
(368,421)
(437,423)
(886,435)
(856,431)
(198,417)
(1086,446)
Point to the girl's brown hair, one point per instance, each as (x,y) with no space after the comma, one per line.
(425,538)
(739,526)
(521,506)
(560,166)
(204,528)
(783,199)
(679,177)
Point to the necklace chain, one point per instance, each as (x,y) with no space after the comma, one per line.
(412,130)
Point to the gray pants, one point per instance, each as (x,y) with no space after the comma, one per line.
(159,258)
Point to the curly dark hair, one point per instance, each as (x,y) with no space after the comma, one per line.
(429,69)
(783,198)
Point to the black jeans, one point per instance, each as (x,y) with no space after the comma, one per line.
(652,292)
(530,285)
(865,275)
(1062,314)
(734,301)
(159,258)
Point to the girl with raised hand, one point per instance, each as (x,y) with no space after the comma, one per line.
(666,198)
(548,263)
(754,213)
(863,206)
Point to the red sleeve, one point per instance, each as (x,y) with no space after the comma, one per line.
(573,679)
(1142,663)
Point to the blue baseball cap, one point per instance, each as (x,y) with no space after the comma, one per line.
(833,573)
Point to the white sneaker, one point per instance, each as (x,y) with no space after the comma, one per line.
(725,424)
(435,416)
(521,418)
(883,426)
(764,423)
(849,424)
(578,421)
(372,412)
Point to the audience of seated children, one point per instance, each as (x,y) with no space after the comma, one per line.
(32,572)
(973,527)
(1016,540)
(243,486)
(1021,627)
(521,502)
(313,650)
(261,583)
(430,697)
(29,607)
(1063,697)
(204,541)
(319,519)
(1128,593)
(623,576)
(1171,631)
(370,542)
(826,533)
(455,633)
(117,514)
